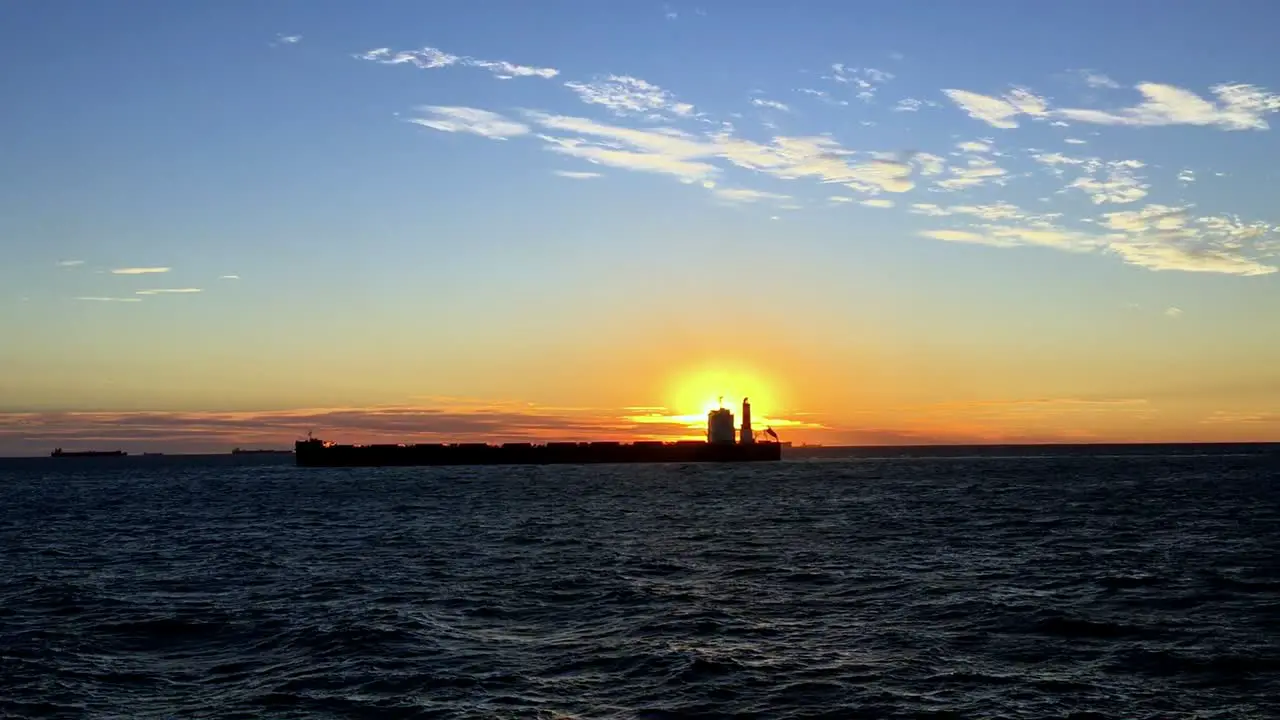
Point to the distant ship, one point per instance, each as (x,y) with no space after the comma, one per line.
(240,451)
(59,452)
(720,446)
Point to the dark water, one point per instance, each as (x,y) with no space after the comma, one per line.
(1080,587)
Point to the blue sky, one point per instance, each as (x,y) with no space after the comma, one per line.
(552,181)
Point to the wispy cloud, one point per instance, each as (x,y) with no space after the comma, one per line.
(469,120)
(1097,80)
(228,277)
(429,58)
(1119,185)
(744,195)
(1223,417)
(978,172)
(865,81)
(626,95)
(109,299)
(771,104)
(1157,237)
(70,263)
(167,291)
(688,156)
(824,96)
(139,270)
(282,39)
(664,150)
(1237,107)
(1161,237)
(929,209)
(1000,112)
(913,105)
(1173,313)
(1186,176)
(704,157)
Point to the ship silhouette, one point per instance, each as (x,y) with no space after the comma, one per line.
(719,446)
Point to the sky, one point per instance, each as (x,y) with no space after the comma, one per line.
(227,224)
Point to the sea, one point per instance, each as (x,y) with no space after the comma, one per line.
(1083,585)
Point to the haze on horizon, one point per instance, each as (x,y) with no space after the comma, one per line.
(228,224)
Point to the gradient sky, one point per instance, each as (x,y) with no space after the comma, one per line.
(227,223)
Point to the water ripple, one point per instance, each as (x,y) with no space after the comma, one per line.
(1070,587)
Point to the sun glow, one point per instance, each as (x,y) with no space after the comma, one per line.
(697,393)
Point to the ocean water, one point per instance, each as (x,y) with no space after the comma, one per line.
(999,587)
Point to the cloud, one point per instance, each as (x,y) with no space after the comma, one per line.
(973,146)
(878,203)
(929,164)
(139,270)
(167,291)
(1119,186)
(1161,237)
(978,172)
(1187,176)
(625,95)
(577,175)
(995,211)
(840,199)
(1232,418)
(660,150)
(999,112)
(956,236)
(1006,225)
(687,156)
(1173,313)
(1074,141)
(288,39)
(429,58)
(109,299)
(1238,107)
(1103,181)
(70,263)
(1098,80)
(228,277)
(929,209)
(743,195)
(824,96)
(469,120)
(772,104)
(864,80)
(913,105)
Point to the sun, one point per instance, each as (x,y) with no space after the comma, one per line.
(699,391)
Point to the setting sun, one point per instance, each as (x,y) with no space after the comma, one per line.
(695,393)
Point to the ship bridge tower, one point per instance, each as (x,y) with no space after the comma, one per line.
(720,427)
(747,437)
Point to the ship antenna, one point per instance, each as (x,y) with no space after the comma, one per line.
(721,400)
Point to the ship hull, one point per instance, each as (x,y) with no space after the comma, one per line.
(315,454)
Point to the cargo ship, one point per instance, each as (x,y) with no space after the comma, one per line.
(720,446)
(59,452)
